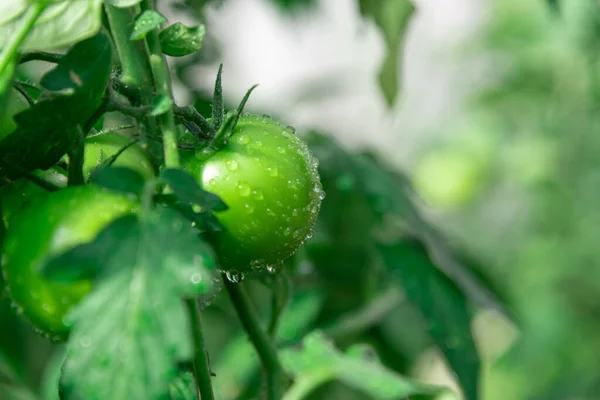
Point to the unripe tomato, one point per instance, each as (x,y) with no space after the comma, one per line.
(268,178)
(48,227)
(14,105)
(101,147)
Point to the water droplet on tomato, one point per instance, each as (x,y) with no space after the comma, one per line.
(232,165)
(234,276)
(258,194)
(196,278)
(243,139)
(272,171)
(243,189)
(280,150)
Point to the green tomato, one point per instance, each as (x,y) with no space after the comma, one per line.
(46,228)
(20,192)
(101,147)
(14,105)
(268,178)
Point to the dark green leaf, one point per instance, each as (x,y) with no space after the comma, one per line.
(218,110)
(60,25)
(132,328)
(179,40)
(392,17)
(189,191)
(120,179)
(87,261)
(148,21)
(443,306)
(161,105)
(47,130)
(318,361)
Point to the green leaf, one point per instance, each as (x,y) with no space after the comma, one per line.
(318,361)
(392,17)
(122,3)
(148,21)
(62,23)
(183,387)
(218,109)
(120,179)
(132,329)
(161,105)
(179,40)
(189,191)
(47,130)
(443,306)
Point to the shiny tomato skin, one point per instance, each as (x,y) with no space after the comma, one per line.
(47,227)
(268,178)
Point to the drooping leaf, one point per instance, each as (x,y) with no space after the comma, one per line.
(392,17)
(120,179)
(148,21)
(61,24)
(189,191)
(132,329)
(178,40)
(443,306)
(318,361)
(47,130)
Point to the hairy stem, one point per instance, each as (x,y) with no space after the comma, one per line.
(259,338)
(201,363)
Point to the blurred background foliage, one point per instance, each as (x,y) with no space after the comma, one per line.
(473,266)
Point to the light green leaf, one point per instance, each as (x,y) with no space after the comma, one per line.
(179,40)
(148,21)
(122,3)
(133,328)
(318,361)
(62,23)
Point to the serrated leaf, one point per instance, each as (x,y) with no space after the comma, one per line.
(161,105)
(443,306)
(120,179)
(61,24)
(189,191)
(47,130)
(148,21)
(130,332)
(178,40)
(318,361)
(392,17)
(122,3)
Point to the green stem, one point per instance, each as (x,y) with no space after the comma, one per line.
(201,363)
(134,60)
(162,85)
(41,56)
(260,340)
(8,52)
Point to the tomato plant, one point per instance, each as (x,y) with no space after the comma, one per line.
(268,178)
(47,227)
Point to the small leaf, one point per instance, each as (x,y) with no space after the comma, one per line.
(62,23)
(318,361)
(179,40)
(122,3)
(443,306)
(161,105)
(132,329)
(189,191)
(218,110)
(119,179)
(148,21)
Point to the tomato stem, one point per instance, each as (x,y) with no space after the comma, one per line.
(259,338)
(162,85)
(75,170)
(201,363)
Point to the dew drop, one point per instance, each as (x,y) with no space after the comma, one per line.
(295,212)
(287,231)
(272,171)
(280,150)
(234,276)
(258,194)
(297,233)
(243,139)
(85,341)
(249,208)
(244,189)
(196,278)
(232,165)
